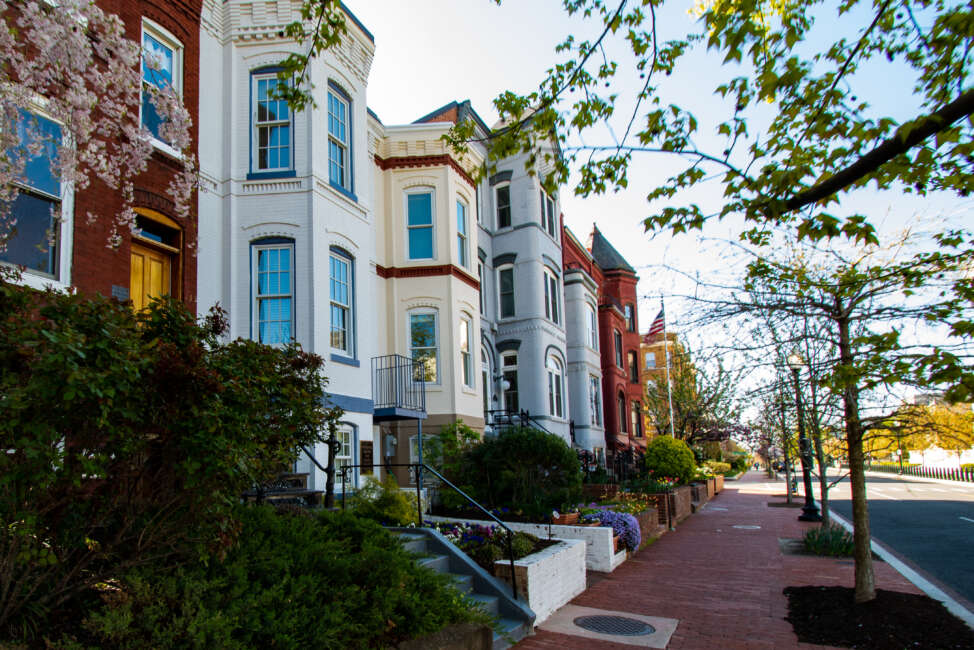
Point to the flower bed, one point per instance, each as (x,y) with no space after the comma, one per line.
(549,578)
(486,543)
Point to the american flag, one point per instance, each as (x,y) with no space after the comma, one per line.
(657,326)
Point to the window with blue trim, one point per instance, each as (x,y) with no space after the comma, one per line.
(339,137)
(419,224)
(272,130)
(32,242)
(161,68)
(274,292)
(342,292)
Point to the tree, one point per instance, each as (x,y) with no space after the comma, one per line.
(71,62)
(129,438)
(705,406)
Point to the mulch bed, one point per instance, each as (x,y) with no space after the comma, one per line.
(893,621)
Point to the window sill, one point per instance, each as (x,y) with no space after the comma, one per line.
(469,390)
(265,176)
(348,361)
(341,190)
(167,150)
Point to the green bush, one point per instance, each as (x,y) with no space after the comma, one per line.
(967,467)
(668,457)
(740,462)
(829,540)
(525,469)
(331,581)
(128,438)
(384,503)
(718,467)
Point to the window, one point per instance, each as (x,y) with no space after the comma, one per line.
(509,375)
(621,412)
(503,195)
(505,282)
(555,375)
(485,378)
(419,224)
(548,213)
(272,126)
(550,295)
(339,132)
(274,292)
(462,254)
(630,319)
(480,285)
(636,420)
(592,329)
(162,65)
(466,358)
(650,360)
(342,294)
(32,241)
(617,335)
(595,400)
(423,346)
(633,367)
(343,455)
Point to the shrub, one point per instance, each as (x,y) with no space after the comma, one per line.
(333,580)
(129,437)
(384,503)
(829,540)
(526,469)
(718,467)
(624,525)
(967,467)
(667,456)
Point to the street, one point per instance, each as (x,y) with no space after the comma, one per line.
(930,524)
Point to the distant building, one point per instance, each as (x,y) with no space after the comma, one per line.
(656,352)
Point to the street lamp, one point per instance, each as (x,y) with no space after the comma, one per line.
(809,510)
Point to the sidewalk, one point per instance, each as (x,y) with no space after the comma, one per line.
(722,584)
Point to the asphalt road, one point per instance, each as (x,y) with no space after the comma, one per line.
(929,524)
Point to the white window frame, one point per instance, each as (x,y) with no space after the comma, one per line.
(480,284)
(548,213)
(168,39)
(506,368)
(500,299)
(595,400)
(497,206)
(592,326)
(255,79)
(463,239)
(349,307)
(647,358)
(346,147)
(436,339)
(432,225)
(555,371)
(551,302)
(466,353)
(255,250)
(345,454)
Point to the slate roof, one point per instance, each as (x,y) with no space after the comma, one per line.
(607,257)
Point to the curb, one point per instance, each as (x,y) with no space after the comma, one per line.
(920,479)
(921,583)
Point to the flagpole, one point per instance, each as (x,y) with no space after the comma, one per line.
(666,352)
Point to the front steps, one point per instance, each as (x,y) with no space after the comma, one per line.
(514,619)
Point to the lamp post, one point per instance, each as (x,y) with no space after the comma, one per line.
(809,510)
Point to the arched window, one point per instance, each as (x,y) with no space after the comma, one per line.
(342,294)
(555,385)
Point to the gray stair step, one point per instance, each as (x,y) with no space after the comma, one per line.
(439,563)
(463,583)
(413,543)
(487,603)
(508,631)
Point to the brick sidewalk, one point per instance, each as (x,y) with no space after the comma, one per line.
(723,584)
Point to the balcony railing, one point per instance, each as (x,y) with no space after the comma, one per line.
(398,387)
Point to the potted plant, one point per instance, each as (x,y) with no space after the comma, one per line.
(567,517)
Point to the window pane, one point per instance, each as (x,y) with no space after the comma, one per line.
(157,62)
(504,206)
(29,243)
(420,208)
(39,133)
(421,243)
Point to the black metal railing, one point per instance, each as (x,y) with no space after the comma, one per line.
(398,382)
(419,468)
(500,419)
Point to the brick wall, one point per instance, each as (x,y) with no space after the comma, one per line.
(680,502)
(548,579)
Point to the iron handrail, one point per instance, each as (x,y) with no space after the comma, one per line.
(525,417)
(418,467)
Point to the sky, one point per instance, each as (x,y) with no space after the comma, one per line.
(431,52)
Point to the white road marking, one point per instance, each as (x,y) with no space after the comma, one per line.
(966,519)
(885,496)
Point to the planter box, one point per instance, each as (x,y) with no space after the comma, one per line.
(596,491)
(680,498)
(649,524)
(711,488)
(718,483)
(548,579)
(599,554)
(662,501)
(567,519)
(698,492)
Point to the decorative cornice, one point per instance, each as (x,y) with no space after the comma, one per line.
(400,162)
(153,201)
(426,272)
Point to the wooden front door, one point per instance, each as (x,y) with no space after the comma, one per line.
(151,275)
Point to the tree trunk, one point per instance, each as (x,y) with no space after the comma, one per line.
(865,579)
(332,442)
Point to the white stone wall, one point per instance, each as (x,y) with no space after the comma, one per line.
(549,578)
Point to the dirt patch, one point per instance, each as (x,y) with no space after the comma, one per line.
(894,620)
